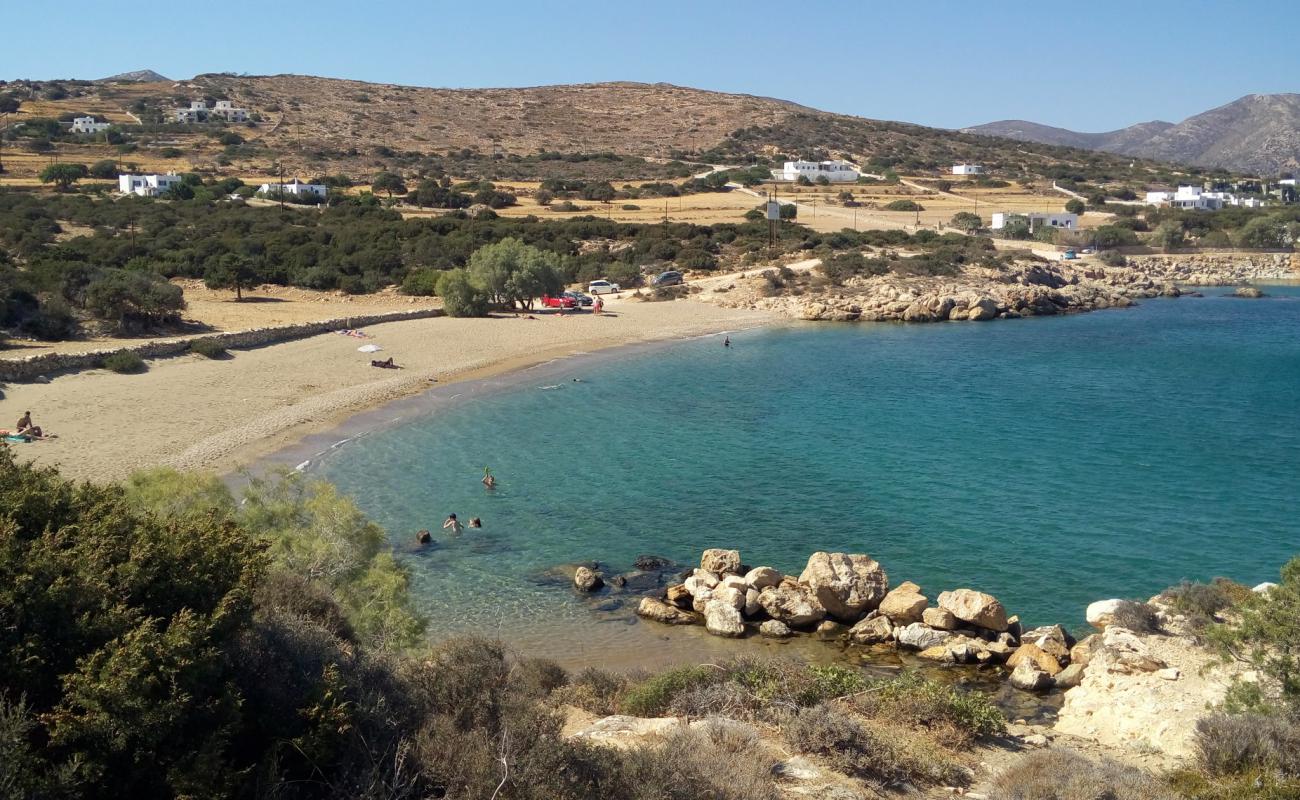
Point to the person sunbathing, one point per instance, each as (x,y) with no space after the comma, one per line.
(26,428)
(386,364)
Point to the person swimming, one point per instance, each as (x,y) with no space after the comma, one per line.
(726,342)
(453,524)
(489,481)
(475,522)
(424,537)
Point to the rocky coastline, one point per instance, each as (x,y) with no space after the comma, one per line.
(1139,682)
(979,294)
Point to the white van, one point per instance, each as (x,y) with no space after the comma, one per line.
(603,287)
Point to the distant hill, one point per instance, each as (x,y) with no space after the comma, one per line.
(1259,133)
(331,117)
(137,76)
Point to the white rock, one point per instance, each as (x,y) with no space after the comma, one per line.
(979,609)
(626,732)
(846,585)
(1101,613)
(762,577)
(734,582)
(721,618)
(775,629)
(720,561)
(1264,588)
(752,607)
(920,636)
(730,595)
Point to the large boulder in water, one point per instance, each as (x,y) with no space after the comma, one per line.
(977,608)
(659,611)
(847,586)
(874,630)
(719,561)
(791,603)
(904,604)
(648,563)
(722,618)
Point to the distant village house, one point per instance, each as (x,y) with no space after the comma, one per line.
(199,112)
(1036,220)
(294,188)
(833,171)
(967,169)
(89,125)
(147,185)
(1194,198)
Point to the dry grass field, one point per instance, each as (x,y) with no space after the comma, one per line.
(208,311)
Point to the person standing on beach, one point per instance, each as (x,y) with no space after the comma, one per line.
(453,524)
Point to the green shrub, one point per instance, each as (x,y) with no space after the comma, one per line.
(653,696)
(461,297)
(956,716)
(421,282)
(1062,774)
(686,765)
(1201,603)
(904,205)
(124,362)
(1196,785)
(208,348)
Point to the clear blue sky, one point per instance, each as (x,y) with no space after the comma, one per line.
(1082,65)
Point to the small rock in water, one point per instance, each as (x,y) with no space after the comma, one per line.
(775,629)
(587,580)
(1247,291)
(650,563)
(719,561)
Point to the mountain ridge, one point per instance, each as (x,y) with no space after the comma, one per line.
(1256,133)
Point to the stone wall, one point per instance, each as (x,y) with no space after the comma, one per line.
(27,369)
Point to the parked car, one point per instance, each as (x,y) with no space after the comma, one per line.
(580,298)
(670,278)
(1069,255)
(603,287)
(559,301)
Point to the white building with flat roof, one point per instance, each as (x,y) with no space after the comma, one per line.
(967,169)
(223,109)
(1036,220)
(294,188)
(147,185)
(89,125)
(1195,199)
(833,171)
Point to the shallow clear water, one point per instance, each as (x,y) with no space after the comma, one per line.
(1051,461)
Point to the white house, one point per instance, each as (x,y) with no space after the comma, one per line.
(967,169)
(227,111)
(147,185)
(1159,198)
(295,187)
(1036,220)
(1192,197)
(1286,182)
(89,125)
(833,171)
(199,112)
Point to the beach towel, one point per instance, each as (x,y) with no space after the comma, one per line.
(355,334)
(369,348)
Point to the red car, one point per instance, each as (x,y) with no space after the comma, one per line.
(559,302)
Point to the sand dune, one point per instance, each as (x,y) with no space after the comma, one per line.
(194,413)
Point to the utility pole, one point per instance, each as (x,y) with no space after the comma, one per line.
(281,188)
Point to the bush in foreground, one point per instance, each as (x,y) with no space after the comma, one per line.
(1066,775)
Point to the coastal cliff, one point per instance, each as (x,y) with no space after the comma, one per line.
(1027,289)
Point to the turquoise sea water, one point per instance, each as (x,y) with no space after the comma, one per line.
(1051,462)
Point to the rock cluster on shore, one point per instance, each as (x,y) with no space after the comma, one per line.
(1026,290)
(848,596)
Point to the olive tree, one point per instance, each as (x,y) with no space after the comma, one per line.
(63,175)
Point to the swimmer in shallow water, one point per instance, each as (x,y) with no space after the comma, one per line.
(424,537)
(475,522)
(453,524)
(489,481)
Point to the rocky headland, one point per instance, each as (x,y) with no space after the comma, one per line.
(1137,684)
(1027,289)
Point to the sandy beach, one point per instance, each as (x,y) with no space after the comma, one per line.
(190,412)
